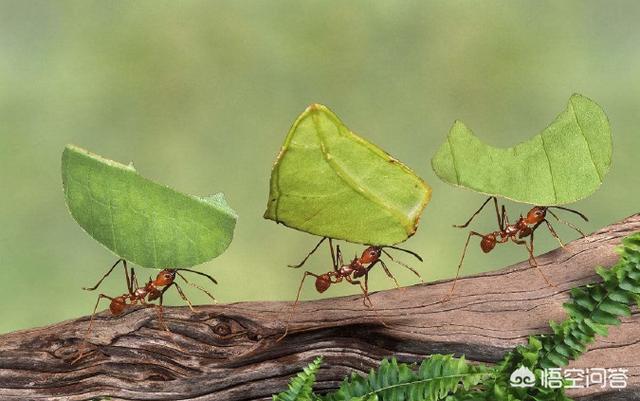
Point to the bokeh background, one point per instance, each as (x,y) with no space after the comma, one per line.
(200,94)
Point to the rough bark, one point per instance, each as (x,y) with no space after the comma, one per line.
(229,352)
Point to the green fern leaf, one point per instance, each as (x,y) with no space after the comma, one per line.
(301,386)
(437,377)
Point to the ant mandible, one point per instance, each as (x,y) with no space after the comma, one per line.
(524,227)
(153,290)
(351,272)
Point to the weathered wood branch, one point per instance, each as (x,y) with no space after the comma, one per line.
(229,352)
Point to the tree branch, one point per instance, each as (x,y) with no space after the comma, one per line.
(229,352)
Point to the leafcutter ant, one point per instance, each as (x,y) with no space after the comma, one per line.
(350,272)
(153,290)
(517,233)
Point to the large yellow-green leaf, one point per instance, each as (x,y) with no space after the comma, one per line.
(146,223)
(330,182)
(564,163)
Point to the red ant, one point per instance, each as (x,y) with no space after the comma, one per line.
(153,290)
(524,227)
(359,267)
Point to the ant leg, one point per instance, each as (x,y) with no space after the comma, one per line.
(183,296)
(86,336)
(339,260)
(566,223)
(181,293)
(366,298)
(365,291)
(404,265)
(160,309)
(505,218)
(309,254)
(196,286)
(134,281)
(524,242)
(464,252)
(553,232)
(388,272)
(495,200)
(334,261)
(295,304)
(364,287)
(124,263)
(533,262)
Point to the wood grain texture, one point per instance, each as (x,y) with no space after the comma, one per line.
(229,352)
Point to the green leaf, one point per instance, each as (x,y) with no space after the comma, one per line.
(557,359)
(143,222)
(615,308)
(330,182)
(598,328)
(436,377)
(564,163)
(301,387)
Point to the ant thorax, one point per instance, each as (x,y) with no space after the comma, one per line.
(510,230)
(346,270)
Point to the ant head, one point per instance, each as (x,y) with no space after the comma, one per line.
(165,277)
(370,255)
(323,282)
(536,215)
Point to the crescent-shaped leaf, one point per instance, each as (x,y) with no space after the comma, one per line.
(564,163)
(143,222)
(330,182)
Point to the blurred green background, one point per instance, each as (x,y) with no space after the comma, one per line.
(200,94)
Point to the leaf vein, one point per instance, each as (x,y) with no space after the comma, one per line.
(553,181)
(453,160)
(575,116)
(353,184)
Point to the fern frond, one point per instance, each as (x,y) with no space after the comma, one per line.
(435,378)
(594,307)
(301,386)
(591,309)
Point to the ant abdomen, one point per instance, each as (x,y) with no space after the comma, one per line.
(323,283)
(488,242)
(117,305)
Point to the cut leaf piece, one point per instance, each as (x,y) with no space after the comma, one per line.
(330,182)
(145,223)
(563,164)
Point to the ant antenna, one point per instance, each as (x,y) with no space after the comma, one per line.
(401,263)
(197,272)
(404,250)
(569,210)
(194,285)
(567,223)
